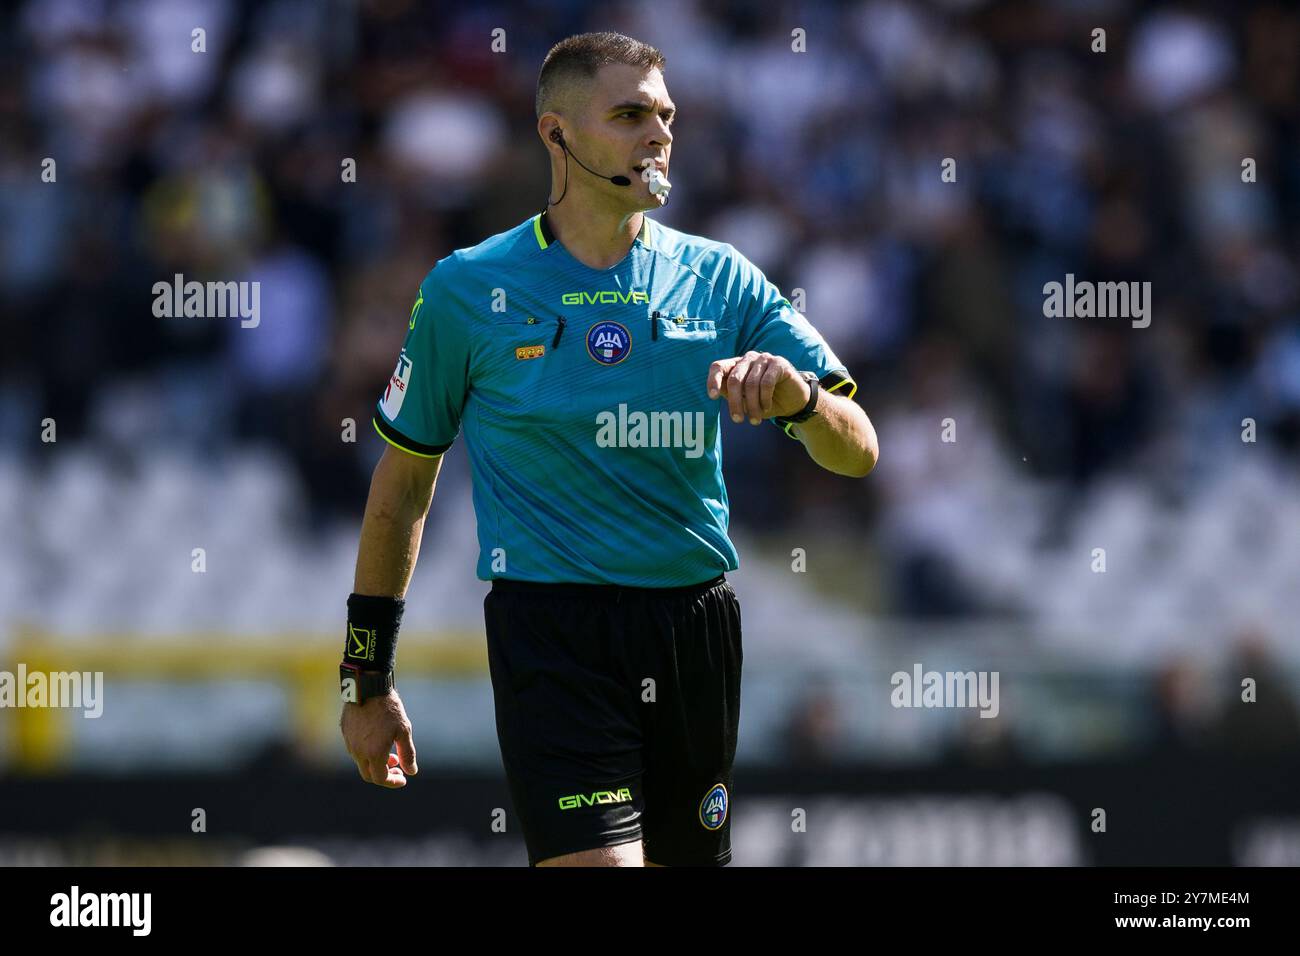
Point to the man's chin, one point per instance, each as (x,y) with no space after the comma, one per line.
(648,201)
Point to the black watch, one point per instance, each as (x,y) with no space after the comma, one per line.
(810,409)
(358,686)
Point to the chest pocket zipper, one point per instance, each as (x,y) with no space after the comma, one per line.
(683,329)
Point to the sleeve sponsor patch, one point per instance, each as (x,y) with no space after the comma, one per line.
(395,393)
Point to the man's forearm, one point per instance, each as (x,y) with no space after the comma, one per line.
(840,436)
(390,535)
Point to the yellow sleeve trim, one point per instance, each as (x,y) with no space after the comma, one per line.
(400,447)
(848,381)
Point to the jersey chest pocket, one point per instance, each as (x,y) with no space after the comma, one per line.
(522,373)
(684,329)
(682,349)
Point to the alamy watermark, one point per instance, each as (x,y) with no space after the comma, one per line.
(1099,300)
(72,689)
(923,688)
(210,300)
(75,908)
(626,429)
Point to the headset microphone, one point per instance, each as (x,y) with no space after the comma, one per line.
(558,137)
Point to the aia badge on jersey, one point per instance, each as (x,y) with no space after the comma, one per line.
(395,393)
(713,808)
(608,342)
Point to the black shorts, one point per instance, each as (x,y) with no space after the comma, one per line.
(617,710)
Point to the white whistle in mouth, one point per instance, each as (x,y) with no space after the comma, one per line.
(659,185)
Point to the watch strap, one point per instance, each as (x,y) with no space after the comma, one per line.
(357,686)
(810,408)
(837,382)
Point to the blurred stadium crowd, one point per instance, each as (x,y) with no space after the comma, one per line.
(822,167)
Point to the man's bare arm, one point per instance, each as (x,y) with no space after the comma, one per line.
(401,491)
(760,385)
(840,437)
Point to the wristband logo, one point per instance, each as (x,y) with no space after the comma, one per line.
(349,690)
(360,644)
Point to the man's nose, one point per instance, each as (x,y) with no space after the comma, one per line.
(663,136)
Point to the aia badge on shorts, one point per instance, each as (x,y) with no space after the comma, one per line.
(713,808)
(608,342)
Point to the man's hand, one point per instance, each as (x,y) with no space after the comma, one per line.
(758,385)
(370,729)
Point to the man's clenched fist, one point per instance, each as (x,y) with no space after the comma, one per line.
(370,729)
(758,385)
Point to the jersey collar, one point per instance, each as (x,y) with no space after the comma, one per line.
(545,237)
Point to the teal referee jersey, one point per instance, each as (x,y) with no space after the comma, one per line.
(595,449)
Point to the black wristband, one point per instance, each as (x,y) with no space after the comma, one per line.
(373,622)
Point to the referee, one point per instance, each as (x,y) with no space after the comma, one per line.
(585,353)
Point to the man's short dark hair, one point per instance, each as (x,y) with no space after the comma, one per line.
(580,57)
